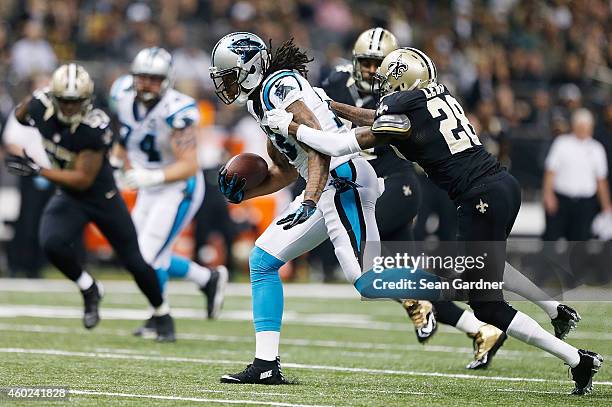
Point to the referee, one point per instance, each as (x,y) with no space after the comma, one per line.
(575,181)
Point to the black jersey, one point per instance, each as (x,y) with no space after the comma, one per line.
(341,87)
(63,142)
(440,139)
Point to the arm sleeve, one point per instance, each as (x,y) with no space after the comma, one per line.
(328,143)
(601,165)
(282,91)
(553,158)
(184,117)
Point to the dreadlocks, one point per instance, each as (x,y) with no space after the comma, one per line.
(287,56)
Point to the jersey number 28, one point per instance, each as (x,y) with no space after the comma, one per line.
(455,127)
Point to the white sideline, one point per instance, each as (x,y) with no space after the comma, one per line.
(196,399)
(59,352)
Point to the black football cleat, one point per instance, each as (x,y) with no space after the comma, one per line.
(214,291)
(486,342)
(149,329)
(259,372)
(566,320)
(164,327)
(422,315)
(583,373)
(91,300)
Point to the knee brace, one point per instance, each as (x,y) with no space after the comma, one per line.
(496,313)
(267,290)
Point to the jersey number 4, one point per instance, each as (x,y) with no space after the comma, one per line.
(455,127)
(147,145)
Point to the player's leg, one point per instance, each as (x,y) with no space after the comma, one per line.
(274,248)
(487,230)
(349,212)
(113,219)
(169,211)
(61,227)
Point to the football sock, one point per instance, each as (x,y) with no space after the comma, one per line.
(162,278)
(84,281)
(267,291)
(468,323)
(447,312)
(519,284)
(180,267)
(405,284)
(266,345)
(527,330)
(163,309)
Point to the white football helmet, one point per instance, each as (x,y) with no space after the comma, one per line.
(71,83)
(154,61)
(239,61)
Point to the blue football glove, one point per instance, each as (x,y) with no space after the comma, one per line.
(233,189)
(304,212)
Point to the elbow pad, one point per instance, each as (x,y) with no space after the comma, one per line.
(391,123)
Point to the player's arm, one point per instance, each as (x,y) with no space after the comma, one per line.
(22,111)
(185,148)
(86,167)
(280,174)
(119,158)
(357,115)
(318,163)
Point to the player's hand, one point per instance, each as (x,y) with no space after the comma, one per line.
(279,120)
(21,165)
(142,178)
(233,189)
(305,211)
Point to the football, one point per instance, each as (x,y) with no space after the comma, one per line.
(249,166)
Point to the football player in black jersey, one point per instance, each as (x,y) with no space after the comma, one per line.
(397,207)
(425,123)
(76,138)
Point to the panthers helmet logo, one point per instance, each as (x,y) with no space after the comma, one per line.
(397,68)
(246,48)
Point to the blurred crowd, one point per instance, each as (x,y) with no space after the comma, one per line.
(520,67)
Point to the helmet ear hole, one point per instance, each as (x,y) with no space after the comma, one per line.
(253,69)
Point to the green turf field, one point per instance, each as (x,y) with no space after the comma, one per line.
(341,351)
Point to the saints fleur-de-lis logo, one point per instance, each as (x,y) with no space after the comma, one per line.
(482,206)
(397,68)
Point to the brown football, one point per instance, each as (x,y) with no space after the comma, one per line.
(249,166)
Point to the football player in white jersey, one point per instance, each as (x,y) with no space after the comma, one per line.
(338,201)
(158,149)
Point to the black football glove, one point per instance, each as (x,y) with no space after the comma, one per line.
(233,189)
(23,166)
(304,212)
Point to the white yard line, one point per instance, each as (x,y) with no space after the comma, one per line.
(286,342)
(59,352)
(292,290)
(357,321)
(195,399)
(532,391)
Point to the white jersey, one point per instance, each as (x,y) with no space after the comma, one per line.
(146,135)
(280,90)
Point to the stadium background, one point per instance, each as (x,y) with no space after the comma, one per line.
(519,67)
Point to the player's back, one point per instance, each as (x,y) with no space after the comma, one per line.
(442,140)
(281,89)
(146,134)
